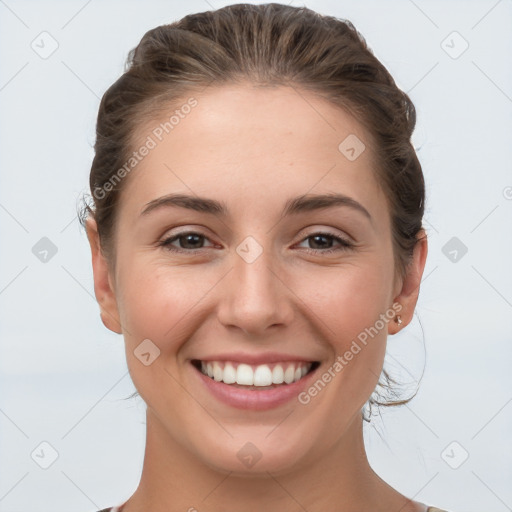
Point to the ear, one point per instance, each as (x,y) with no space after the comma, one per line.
(410,287)
(103,288)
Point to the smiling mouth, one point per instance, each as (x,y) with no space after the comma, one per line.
(255,377)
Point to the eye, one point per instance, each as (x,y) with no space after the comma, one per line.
(189,241)
(192,241)
(320,238)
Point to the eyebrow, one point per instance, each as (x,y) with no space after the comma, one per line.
(296,205)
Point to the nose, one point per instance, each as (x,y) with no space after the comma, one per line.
(255,297)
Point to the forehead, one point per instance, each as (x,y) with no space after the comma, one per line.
(249,145)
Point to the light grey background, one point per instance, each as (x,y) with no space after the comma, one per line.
(63,375)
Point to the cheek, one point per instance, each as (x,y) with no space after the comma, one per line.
(349,306)
(156,299)
(346,300)
(158,303)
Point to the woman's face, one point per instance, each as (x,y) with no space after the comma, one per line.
(259,284)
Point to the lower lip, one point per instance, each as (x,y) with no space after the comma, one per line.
(251,398)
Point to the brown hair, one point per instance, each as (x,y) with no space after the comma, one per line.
(270,44)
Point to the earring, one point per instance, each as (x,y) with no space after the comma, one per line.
(398,319)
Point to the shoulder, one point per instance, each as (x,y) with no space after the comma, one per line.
(115,508)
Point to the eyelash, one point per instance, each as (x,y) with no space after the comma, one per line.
(344,244)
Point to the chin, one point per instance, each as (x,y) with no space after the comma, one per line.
(256,455)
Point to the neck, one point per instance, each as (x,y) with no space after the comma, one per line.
(174,479)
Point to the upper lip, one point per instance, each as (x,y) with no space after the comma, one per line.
(254,359)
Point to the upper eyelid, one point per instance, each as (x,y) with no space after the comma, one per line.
(313,228)
(190,231)
(334,232)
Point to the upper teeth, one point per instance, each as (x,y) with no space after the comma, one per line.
(257,375)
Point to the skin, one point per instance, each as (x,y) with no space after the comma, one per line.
(254,148)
